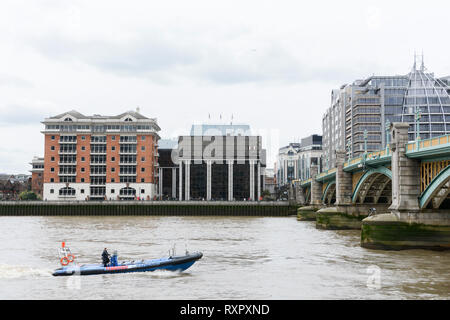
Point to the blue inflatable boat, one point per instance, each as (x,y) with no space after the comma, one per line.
(172,263)
(176,263)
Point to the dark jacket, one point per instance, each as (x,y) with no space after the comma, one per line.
(105,256)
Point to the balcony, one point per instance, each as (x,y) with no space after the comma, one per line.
(67,152)
(124,163)
(72,163)
(127,174)
(67,174)
(98,152)
(97,174)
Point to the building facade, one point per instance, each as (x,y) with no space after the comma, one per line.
(37,175)
(214,163)
(295,160)
(361,112)
(100,157)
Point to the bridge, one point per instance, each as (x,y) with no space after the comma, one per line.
(408,183)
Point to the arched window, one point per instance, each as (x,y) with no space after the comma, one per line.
(67,119)
(128,119)
(127,193)
(67,192)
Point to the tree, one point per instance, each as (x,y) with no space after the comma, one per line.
(28,195)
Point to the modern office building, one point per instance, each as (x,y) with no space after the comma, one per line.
(295,159)
(215,162)
(100,157)
(37,175)
(168,170)
(360,113)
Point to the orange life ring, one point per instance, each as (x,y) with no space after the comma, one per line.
(70,256)
(64,259)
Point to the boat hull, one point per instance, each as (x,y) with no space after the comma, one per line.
(179,263)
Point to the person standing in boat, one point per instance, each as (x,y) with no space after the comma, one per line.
(105,257)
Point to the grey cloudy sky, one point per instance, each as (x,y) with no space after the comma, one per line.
(271,64)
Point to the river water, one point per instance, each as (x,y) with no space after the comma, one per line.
(244,258)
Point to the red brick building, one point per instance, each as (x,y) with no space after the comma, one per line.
(100,157)
(37,175)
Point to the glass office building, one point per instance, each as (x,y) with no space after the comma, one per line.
(360,112)
(214,163)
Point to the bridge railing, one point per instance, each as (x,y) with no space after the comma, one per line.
(428,143)
(375,155)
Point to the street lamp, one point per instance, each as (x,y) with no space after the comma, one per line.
(388,126)
(417,123)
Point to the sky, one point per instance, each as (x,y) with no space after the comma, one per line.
(269,63)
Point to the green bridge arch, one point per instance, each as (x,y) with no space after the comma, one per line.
(328,188)
(379,170)
(434,188)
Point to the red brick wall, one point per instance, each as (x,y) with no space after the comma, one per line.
(148,154)
(48,154)
(37,182)
(86,143)
(109,154)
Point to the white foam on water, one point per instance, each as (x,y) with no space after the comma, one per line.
(14,271)
(164,273)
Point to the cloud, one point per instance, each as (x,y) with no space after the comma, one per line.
(164,59)
(17,115)
(13,81)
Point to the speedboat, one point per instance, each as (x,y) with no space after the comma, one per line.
(171,263)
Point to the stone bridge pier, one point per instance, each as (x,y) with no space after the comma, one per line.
(308,213)
(406,226)
(344,214)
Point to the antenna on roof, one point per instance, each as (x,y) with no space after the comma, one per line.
(422,67)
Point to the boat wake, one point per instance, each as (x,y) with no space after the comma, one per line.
(161,274)
(13,272)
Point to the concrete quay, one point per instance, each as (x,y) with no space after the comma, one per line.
(146,208)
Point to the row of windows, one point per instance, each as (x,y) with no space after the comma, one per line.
(95,148)
(390,82)
(422,91)
(398,101)
(66,138)
(68,191)
(394,92)
(427,100)
(98,138)
(366,119)
(97,169)
(72,179)
(95,159)
(368,101)
(101,128)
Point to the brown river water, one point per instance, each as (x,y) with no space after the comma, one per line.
(244,258)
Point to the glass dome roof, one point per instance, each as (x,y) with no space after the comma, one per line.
(427,98)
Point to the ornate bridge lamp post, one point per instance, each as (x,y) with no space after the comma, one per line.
(349,149)
(388,126)
(365,149)
(417,117)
